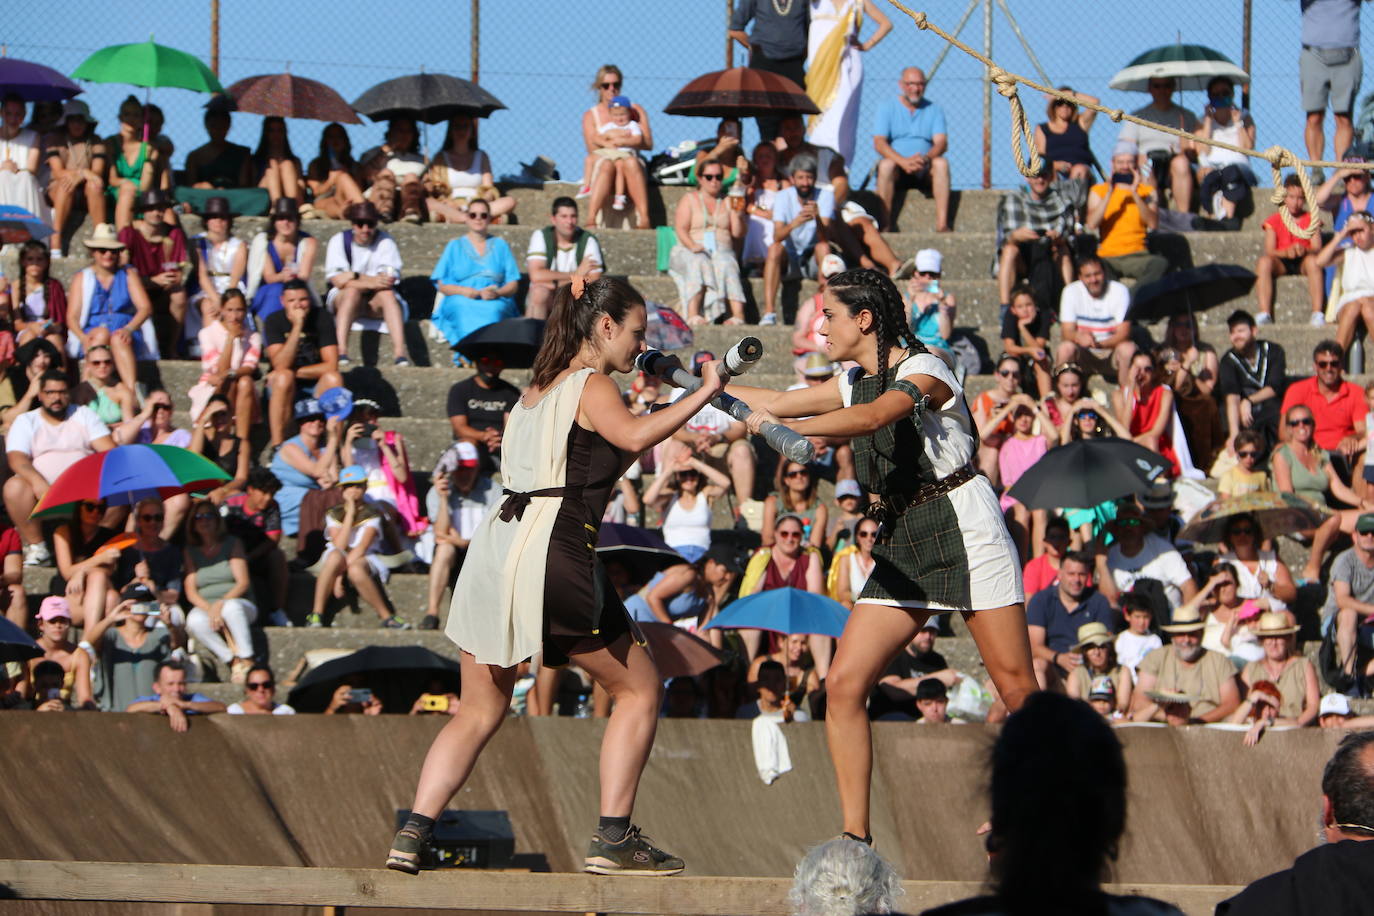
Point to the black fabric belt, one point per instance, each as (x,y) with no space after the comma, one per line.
(515,503)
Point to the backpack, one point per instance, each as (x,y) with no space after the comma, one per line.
(579,243)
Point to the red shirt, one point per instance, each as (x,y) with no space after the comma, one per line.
(1285,239)
(146,257)
(9,542)
(1336,418)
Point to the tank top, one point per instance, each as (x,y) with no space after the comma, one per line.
(857,577)
(1071,146)
(688,527)
(773,577)
(131,171)
(214,577)
(1357,272)
(463,183)
(1310,485)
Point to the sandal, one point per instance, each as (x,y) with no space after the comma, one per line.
(405,851)
(238,670)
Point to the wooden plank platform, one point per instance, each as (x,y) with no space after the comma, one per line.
(455,889)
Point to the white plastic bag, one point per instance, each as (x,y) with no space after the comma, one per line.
(969,701)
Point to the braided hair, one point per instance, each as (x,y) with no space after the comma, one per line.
(871,290)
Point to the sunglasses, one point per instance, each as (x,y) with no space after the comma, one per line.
(93,507)
(609,84)
(788,535)
(203,516)
(1247,454)
(1302,421)
(150,517)
(927,273)
(1328,363)
(1363,533)
(867,534)
(1009,373)
(365,223)
(472,215)
(260,685)
(796,474)
(1243,529)
(714,176)
(99,362)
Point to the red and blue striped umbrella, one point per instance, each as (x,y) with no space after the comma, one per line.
(125,474)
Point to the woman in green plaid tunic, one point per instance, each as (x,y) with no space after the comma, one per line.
(946,546)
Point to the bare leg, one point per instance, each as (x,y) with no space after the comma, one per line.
(637,183)
(1314,134)
(486,697)
(324,582)
(244,398)
(62,200)
(384,300)
(282,390)
(1345,134)
(545,691)
(124,204)
(1181,183)
(1266,270)
(345,310)
(96,202)
(19,502)
(939,189)
(822,648)
(1346,626)
(1007,265)
(601,189)
(291,184)
(537,300)
(629,674)
(1004,643)
(174,510)
(753,641)
(1346,321)
(96,585)
(887,190)
(369,589)
(772,276)
(440,572)
(740,461)
(878,248)
(1315,282)
(17,611)
(271,181)
(872,638)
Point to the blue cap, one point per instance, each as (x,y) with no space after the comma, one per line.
(354,473)
(337,403)
(619,101)
(308,407)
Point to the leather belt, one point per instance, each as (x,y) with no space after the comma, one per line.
(893,506)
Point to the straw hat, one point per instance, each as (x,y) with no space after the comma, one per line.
(1274,623)
(1185,620)
(104,236)
(1093,634)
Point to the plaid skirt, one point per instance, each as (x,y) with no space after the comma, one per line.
(950,554)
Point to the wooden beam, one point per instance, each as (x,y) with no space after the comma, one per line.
(463,889)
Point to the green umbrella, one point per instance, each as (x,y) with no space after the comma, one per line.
(1190,66)
(148,64)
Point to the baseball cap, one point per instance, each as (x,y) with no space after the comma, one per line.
(54,606)
(1334,704)
(831,264)
(619,101)
(465,455)
(1124,148)
(928,260)
(932,623)
(931,689)
(1365,522)
(336,403)
(726,556)
(847,487)
(817,366)
(354,473)
(1102,689)
(308,407)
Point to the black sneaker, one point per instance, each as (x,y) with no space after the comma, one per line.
(429,622)
(395,623)
(633,855)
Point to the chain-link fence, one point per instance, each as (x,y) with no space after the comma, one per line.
(540,60)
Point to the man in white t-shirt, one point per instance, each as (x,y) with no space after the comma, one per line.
(1094,332)
(1136,554)
(40,445)
(362,266)
(717,439)
(801,221)
(576,251)
(467,496)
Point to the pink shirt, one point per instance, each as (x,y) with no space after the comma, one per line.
(212,342)
(1015,458)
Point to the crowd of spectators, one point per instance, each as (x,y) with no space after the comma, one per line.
(1122,612)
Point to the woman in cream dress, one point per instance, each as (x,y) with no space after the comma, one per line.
(835,69)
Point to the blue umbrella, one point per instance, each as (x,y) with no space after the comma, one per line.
(15,644)
(18,225)
(784,610)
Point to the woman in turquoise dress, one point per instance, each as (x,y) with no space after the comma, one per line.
(477,276)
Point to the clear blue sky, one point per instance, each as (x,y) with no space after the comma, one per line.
(539,58)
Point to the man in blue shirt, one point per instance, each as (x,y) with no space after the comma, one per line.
(802,216)
(1054,614)
(169,698)
(910,138)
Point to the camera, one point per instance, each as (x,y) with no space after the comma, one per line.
(433,702)
(360,695)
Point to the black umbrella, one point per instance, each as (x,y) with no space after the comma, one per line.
(15,644)
(643,552)
(1091,471)
(428,97)
(515,340)
(396,675)
(1186,291)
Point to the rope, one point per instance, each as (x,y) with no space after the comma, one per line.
(1278,157)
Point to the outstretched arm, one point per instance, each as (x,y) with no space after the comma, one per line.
(862,419)
(803,402)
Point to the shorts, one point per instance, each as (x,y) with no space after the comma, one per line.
(920,180)
(1369,473)
(1291,265)
(1097,361)
(800,264)
(1330,74)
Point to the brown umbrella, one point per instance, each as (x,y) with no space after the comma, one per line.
(285,95)
(741,92)
(678,652)
(1276,513)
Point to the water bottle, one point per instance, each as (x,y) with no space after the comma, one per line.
(1355,359)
